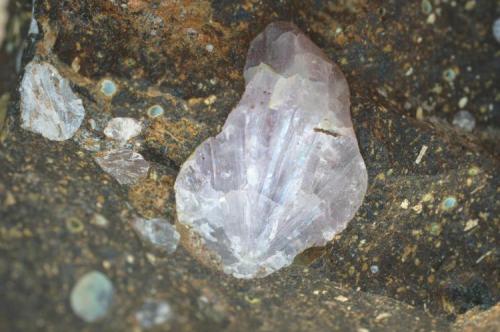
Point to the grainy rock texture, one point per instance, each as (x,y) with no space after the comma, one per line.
(425,239)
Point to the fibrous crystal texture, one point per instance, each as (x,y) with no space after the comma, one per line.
(285,173)
(48,105)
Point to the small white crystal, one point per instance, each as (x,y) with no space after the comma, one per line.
(285,173)
(158,232)
(122,129)
(125,165)
(48,105)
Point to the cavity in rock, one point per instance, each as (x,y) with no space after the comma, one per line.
(285,173)
(48,105)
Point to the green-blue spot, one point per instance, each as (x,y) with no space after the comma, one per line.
(449,202)
(155,111)
(108,87)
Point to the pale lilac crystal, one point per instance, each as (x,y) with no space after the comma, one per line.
(125,165)
(285,173)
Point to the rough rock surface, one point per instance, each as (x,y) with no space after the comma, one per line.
(285,174)
(419,62)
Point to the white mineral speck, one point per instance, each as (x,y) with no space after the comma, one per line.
(153,312)
(48,105)
(123,129)
(464,120)
(463,102)
(125,165)
(157,232)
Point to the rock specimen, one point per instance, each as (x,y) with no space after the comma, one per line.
(125,165)
(157,232)
(122,129)
(285,173)
(48,105)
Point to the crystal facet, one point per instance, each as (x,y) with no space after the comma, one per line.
(48,105)
(125,165)
(285,173)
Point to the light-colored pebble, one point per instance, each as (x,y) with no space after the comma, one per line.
(91,297)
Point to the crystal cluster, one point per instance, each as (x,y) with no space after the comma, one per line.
(48,105)
(285,173)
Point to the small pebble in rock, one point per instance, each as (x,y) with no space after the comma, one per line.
(496,29)
(125,165)
(108,87)
(470,5)
(426,7)
(158,232)
(449,75)
(155,111)
(464,120)
(463,102)
(99,220)
(209,48)
(374,269)
(431,19)
(449,203)
(74,225)
(123,129)
(91,297)
(153,312)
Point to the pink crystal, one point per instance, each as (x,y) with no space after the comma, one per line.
(285,173)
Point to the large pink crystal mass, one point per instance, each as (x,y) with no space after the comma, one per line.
(285,173)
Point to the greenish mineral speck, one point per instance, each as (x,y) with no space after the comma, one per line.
(91,296)
(449,203)
(155,111)
(108,87)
